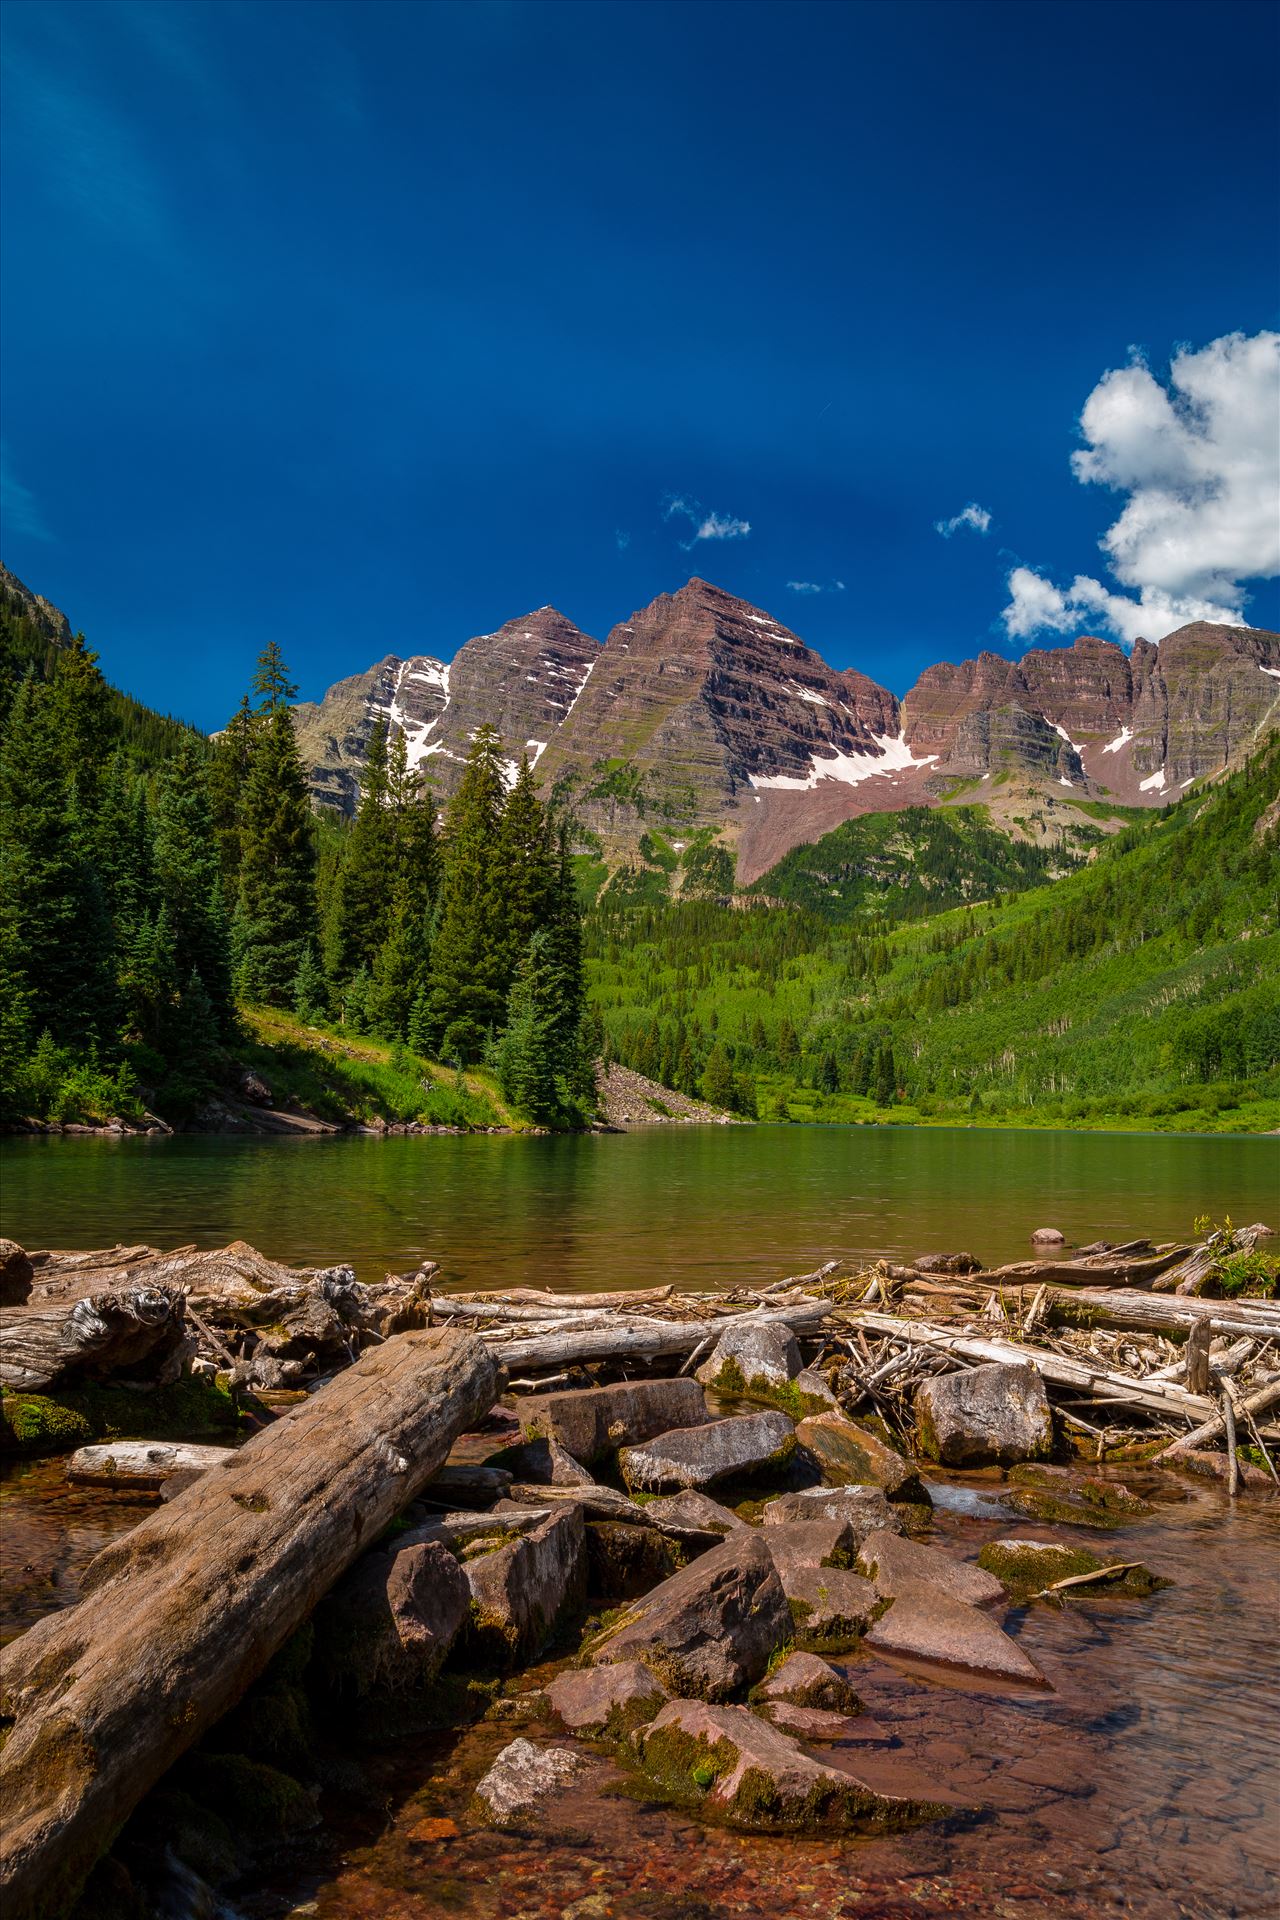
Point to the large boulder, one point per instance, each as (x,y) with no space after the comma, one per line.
(388,1624)
(521,1778)
(713,1627)
(610,1701)
(693,1517)
(701,1456)
(984,1416)
(624,1561)
(752,1356)
(894,1563)
(924,1623)
(542,1462)
(754,1776)
(803,1680)
(590,1422)
(850,1455)
(821,1542)
(863,1509)
(519,1590)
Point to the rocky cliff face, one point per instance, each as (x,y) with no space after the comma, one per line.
(47,619)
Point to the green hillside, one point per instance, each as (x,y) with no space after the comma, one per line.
(1144,987)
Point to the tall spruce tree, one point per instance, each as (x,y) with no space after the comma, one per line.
(468,959)
(189,879)
(228,777)
(364,901)
(527,870)
(275,917)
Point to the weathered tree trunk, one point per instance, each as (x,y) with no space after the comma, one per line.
(142,1465)
(1143,1312)
(1133,1270)
(565,1302)
(132,1334)
(15,1275)
(598,1338)
(181,1614)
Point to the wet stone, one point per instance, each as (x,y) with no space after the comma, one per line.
(541,1462)
(863,1509)
(702,1456)
(625,1561)
(830,1607)
(521,1778)
(753,1354)
(520,1590)
(849,1455)
(924,1623)
(892,1563)
(803,1680)
(1027,1567)
(388,1625)
(692,1516)
(607,1700)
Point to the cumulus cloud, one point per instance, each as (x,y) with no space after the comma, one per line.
(815,586)
(1199,459)
(706,526)
(971,516)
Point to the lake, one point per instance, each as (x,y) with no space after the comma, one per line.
(699,1206)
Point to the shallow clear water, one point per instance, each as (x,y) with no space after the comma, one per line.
(695,1205)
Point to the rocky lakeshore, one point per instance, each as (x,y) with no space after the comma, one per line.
(672,1548)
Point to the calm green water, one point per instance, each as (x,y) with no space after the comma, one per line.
(699,1206)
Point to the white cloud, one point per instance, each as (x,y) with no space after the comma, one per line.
(1199,459)
(971,516)
(815,586)
(622,539)
(706,526)
(19,510)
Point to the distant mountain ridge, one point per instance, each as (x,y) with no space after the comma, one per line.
(703,717)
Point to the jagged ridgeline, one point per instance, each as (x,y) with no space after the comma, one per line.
(176,907)
(1147,983)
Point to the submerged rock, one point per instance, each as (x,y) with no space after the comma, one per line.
(924,1623)
(520,1590)
(1027,1567)
(752,1355)
(803,1680)
(701,1456)
(730,1763)
(863,1509)
(608,1700)
(1080,1500)
(712,1627)
(521,1777)
(984,1416)
(849,1455)
(893,1563)
(590,1422)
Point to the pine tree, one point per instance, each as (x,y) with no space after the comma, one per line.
(468,984)
(886,1078)
(276,917)
(189,882)
(717,1079)
(228,777)
(527,871)
(310,988)
(364,893)
(78,700)
(526,1056)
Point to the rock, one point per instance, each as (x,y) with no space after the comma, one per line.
(850,1455)
(15,1274)
(752,1356)
(806,1681)
(815,1391)
(541,1462)
(388,1625)
(1073,1499)
(947,1263)
(254,1089)
(607,1700)
(520,1590)
(624,1562)
(830,1608)
(820,1542)
(924,1623)
(1027,1567)
(1047,1237)
(893,1563)
(692,1516)
(864,1509)
(521,1777)
(811,1723)
(700,1456)
(590,1422)
(984,1416)
(727,1760)
(458,1486)
(712,1627)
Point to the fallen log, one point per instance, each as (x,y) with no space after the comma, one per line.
(1195,1270)
(1216,1426)
(1148,1312)
(595,1338)
(141,1465)
(1121,1389)
(179,1615)
(132,1335)
(564,1302)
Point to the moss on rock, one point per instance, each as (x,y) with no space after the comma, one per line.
(1028,1567)
(40,1423)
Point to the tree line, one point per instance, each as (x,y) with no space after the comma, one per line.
(153,880)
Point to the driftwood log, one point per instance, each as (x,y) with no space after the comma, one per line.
(141,1465)
(135,1335)
(1123,1309)
(598,1337)
(181,1614)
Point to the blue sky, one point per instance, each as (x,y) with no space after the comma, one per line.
(373,326)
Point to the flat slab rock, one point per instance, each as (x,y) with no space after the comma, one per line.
(701,1456)
(753,1353)
(811,1543)
(924,1623)
(991,1415)
(849,1455)
(893,1563)
(522,1777)
(803,1680)
(710,1629)
(590,1422)
(759,1778)
(863,1509)
(607,1700)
